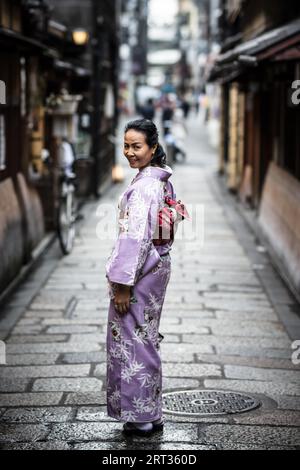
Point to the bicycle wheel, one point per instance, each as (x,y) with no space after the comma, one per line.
(66,223)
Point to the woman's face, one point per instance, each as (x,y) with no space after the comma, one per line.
(136,149)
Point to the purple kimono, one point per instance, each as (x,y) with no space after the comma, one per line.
(134,374)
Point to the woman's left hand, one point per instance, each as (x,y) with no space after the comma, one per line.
(122,298)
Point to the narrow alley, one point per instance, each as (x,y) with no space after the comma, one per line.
(228,324)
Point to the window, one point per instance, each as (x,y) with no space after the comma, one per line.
(10,15)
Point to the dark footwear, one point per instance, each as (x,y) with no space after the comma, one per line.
(130,429)
(158,427)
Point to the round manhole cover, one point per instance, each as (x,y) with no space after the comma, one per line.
(202,402)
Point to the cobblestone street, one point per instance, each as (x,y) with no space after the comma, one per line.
(229,323)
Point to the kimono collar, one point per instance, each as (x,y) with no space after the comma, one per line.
(163,174)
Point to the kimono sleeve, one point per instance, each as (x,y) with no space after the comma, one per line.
(136,231)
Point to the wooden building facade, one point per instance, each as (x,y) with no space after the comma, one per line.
(259,73)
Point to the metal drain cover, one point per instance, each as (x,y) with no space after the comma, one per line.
(203,402)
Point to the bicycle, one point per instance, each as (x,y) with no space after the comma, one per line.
(66,182)
(67,213)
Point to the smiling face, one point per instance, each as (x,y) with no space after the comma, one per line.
(136,149)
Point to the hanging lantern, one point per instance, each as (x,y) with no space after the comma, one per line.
(117,174)
(80,37)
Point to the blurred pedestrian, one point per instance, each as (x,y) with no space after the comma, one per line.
(185,106)
(148,110)
(196,102)
(179,130)
(167,115)
(206,108)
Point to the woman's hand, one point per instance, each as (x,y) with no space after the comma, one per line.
(122,298)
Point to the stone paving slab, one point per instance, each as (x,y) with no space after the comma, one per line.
(43,314)
(247,329)
(255,351)
(93,315)
(23,432)
(22,339)
(48,306)
(172,338)
(166,321)
(27,330)
(87,384)
(84,322)
(189,314)
(264,436)
(172,383)
(53,445)
(95,413)
(184,328)
(89,338)
(13,384)
(30,359)
(273,418)
(287,403)
(263,360)
(85,357)
(183,348)
(30,399)
(29,322)
(255,373)
(87,398)
(191,370)
(85,432)
(38,415)
(3,334)
(251,316)
(271,389)
(184,357)
(224,327)
(233,446)
(197,419)
(71,328)
(180,432)
(52,348)
(238,341)
(235,305)
(77,370)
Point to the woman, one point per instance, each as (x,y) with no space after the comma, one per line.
(138,272)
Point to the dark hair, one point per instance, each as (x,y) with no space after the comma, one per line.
(149,129)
